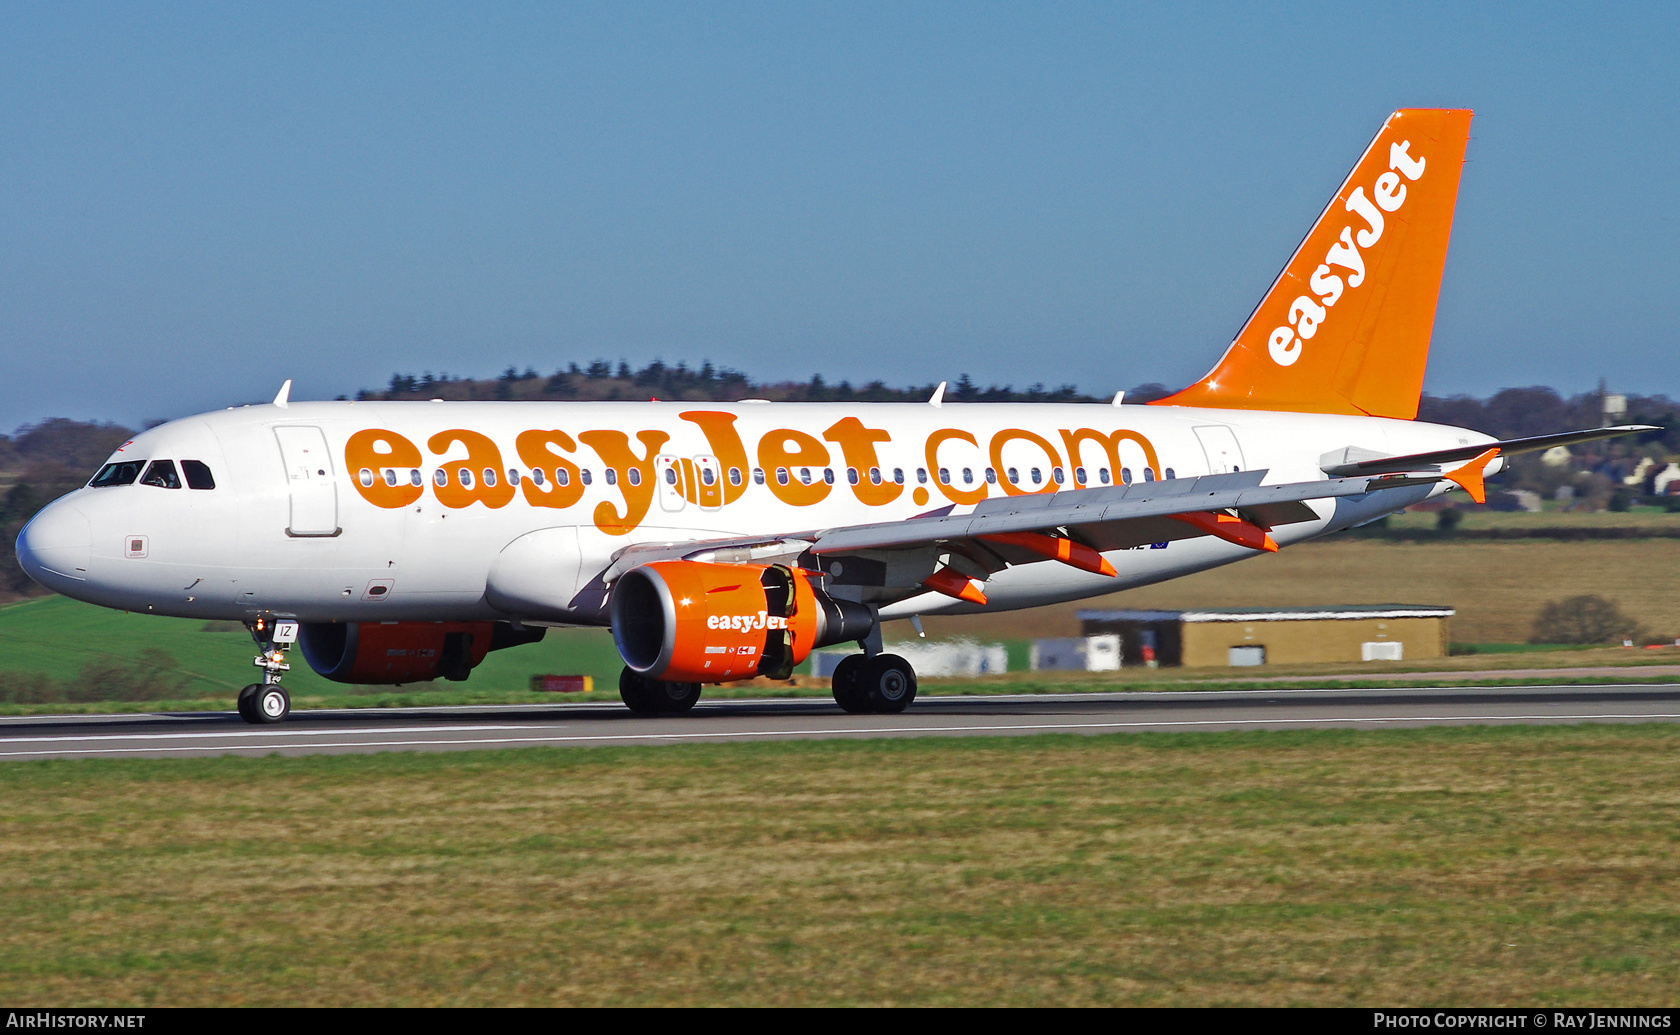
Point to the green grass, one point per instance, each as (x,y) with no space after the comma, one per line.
(1512,865)
(58,636)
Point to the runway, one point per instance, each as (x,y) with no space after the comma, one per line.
(200,734)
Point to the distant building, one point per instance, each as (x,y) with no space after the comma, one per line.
(1274,636)
(1079,654)
(959,657)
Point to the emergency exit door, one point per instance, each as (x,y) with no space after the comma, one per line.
(1220,445)
(309,476)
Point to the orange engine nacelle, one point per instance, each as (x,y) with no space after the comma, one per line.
(395,652)
(692,622)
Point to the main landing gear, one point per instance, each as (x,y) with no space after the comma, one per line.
(646,696)
(267,702)
(879,683)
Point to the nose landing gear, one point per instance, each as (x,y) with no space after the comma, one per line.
(267,701)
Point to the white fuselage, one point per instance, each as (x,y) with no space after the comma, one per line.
(294,528)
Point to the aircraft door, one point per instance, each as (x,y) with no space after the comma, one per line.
(1220,445)
(309,474)
(708,475)
(667,470)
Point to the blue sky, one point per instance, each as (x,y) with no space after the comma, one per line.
(199,201)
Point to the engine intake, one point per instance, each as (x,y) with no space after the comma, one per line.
(689,621)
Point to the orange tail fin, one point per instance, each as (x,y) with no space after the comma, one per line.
(1345,327)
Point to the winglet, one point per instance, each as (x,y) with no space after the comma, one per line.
(1469,477)
(1119,397)
(284,396)
(938,396)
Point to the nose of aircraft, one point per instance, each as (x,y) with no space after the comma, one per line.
(56,546)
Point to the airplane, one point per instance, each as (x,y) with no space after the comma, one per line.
(399,542)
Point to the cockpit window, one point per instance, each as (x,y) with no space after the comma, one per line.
(162,474)
(122,473)
(198,474)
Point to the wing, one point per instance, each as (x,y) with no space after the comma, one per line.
(954,553)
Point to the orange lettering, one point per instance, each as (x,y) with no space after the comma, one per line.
(540,450)
(950,489)
(857,443)
(725,443)
(477,479)
(1008,435)
(1111,443)
(369,454)
(634,475)
(780,461)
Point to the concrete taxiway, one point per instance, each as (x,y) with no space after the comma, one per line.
(190,734)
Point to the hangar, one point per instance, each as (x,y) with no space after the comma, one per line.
(1274,635)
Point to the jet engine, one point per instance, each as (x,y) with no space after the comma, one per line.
(404,652)
(694,622)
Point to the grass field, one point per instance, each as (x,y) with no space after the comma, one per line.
(1497,587)
(1654,519)
(1451,866)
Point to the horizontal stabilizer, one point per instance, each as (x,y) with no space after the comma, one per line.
(1422,461)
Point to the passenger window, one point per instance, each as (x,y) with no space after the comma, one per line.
(1102,475)
(968,476)
(562,476)
(365,476)
(1057,476)
(991,476)
(413,477)
(758,476)
(1036,475)
(536,476)
(162,474)
(513,476)
(440,477)
(390,477)
(489,478)
(197,474)
(464,475)
(670,476)
(122,473)
(635,475)
(781,476)
(805,475)
(1014,474)
(588,479)
(1149,474)
(944,476)
(707,476)
(828,475)
(734,476)
(921,476)
(612,476)
(874,476)
(898,476)
(1170,474)
(1126,475)
(1079,476)
(852,475)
